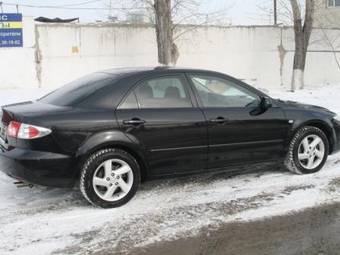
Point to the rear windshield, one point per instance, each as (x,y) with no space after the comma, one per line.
(78,90)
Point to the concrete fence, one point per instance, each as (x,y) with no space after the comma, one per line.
(54,54)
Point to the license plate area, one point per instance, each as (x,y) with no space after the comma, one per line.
(3,144)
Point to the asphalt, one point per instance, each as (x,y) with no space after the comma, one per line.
(315,231)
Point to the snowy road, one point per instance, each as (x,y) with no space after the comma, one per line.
(59,221)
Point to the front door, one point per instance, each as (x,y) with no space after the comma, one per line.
(160,114)
(238,133)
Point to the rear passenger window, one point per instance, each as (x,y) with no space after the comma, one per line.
(163,92)
(130,102)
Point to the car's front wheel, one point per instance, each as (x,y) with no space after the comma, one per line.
(109,178)
(308,151)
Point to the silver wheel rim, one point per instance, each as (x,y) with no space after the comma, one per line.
(311,152)
(113,180)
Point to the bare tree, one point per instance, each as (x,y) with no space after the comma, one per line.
(167,50)
(169,16)
(163,12)
(301,14)
(302,31)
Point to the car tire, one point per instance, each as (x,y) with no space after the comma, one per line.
(110,178)
(304,156)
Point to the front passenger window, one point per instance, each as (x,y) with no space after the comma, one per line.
(217,92)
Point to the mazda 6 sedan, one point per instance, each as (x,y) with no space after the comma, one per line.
(112,129)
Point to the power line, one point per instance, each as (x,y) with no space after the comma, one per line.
(53,6)
(67,7)
(79,4)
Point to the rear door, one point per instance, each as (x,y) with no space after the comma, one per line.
(161,115)
(237,133)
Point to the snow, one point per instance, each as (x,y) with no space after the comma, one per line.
(46,220)
(327,96)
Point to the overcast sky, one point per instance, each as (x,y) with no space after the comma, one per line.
(238,12)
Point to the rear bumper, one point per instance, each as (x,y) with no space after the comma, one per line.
(41,168)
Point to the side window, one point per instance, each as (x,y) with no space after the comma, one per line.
(130,102)
(217,92)
(163,92)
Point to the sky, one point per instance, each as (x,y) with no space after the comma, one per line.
(245,12)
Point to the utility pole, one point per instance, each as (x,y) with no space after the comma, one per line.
(110,10)
(275,12)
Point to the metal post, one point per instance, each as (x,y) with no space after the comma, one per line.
(275,12)
(110,11)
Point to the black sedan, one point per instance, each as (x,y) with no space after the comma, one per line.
(112,129)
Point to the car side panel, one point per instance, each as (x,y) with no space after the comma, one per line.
(70,129)
(174,140)
(111,138)
(244,138)
(300,118)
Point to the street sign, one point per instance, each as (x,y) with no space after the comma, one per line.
(11,34)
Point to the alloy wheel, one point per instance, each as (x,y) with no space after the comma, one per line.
(311,152)
(113,180)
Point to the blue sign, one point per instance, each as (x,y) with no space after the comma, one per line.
(11,34)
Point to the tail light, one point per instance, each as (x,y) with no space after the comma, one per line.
(26,131)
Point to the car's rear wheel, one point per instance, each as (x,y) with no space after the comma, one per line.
(308,151)
(109,178)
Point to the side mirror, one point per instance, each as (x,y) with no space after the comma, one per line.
(266,103)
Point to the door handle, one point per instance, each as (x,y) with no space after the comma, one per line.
(134,121)
(219,120)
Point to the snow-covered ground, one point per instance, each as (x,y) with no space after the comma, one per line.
(45,220)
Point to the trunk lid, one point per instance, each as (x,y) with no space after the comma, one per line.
(26,110)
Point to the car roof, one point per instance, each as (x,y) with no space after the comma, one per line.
(151,70)
(135,72)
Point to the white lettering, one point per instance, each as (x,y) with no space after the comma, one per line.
(3,17)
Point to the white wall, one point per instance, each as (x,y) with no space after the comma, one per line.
(67,51)
(248,53)
(17,65)
(326,16)
(97,47)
